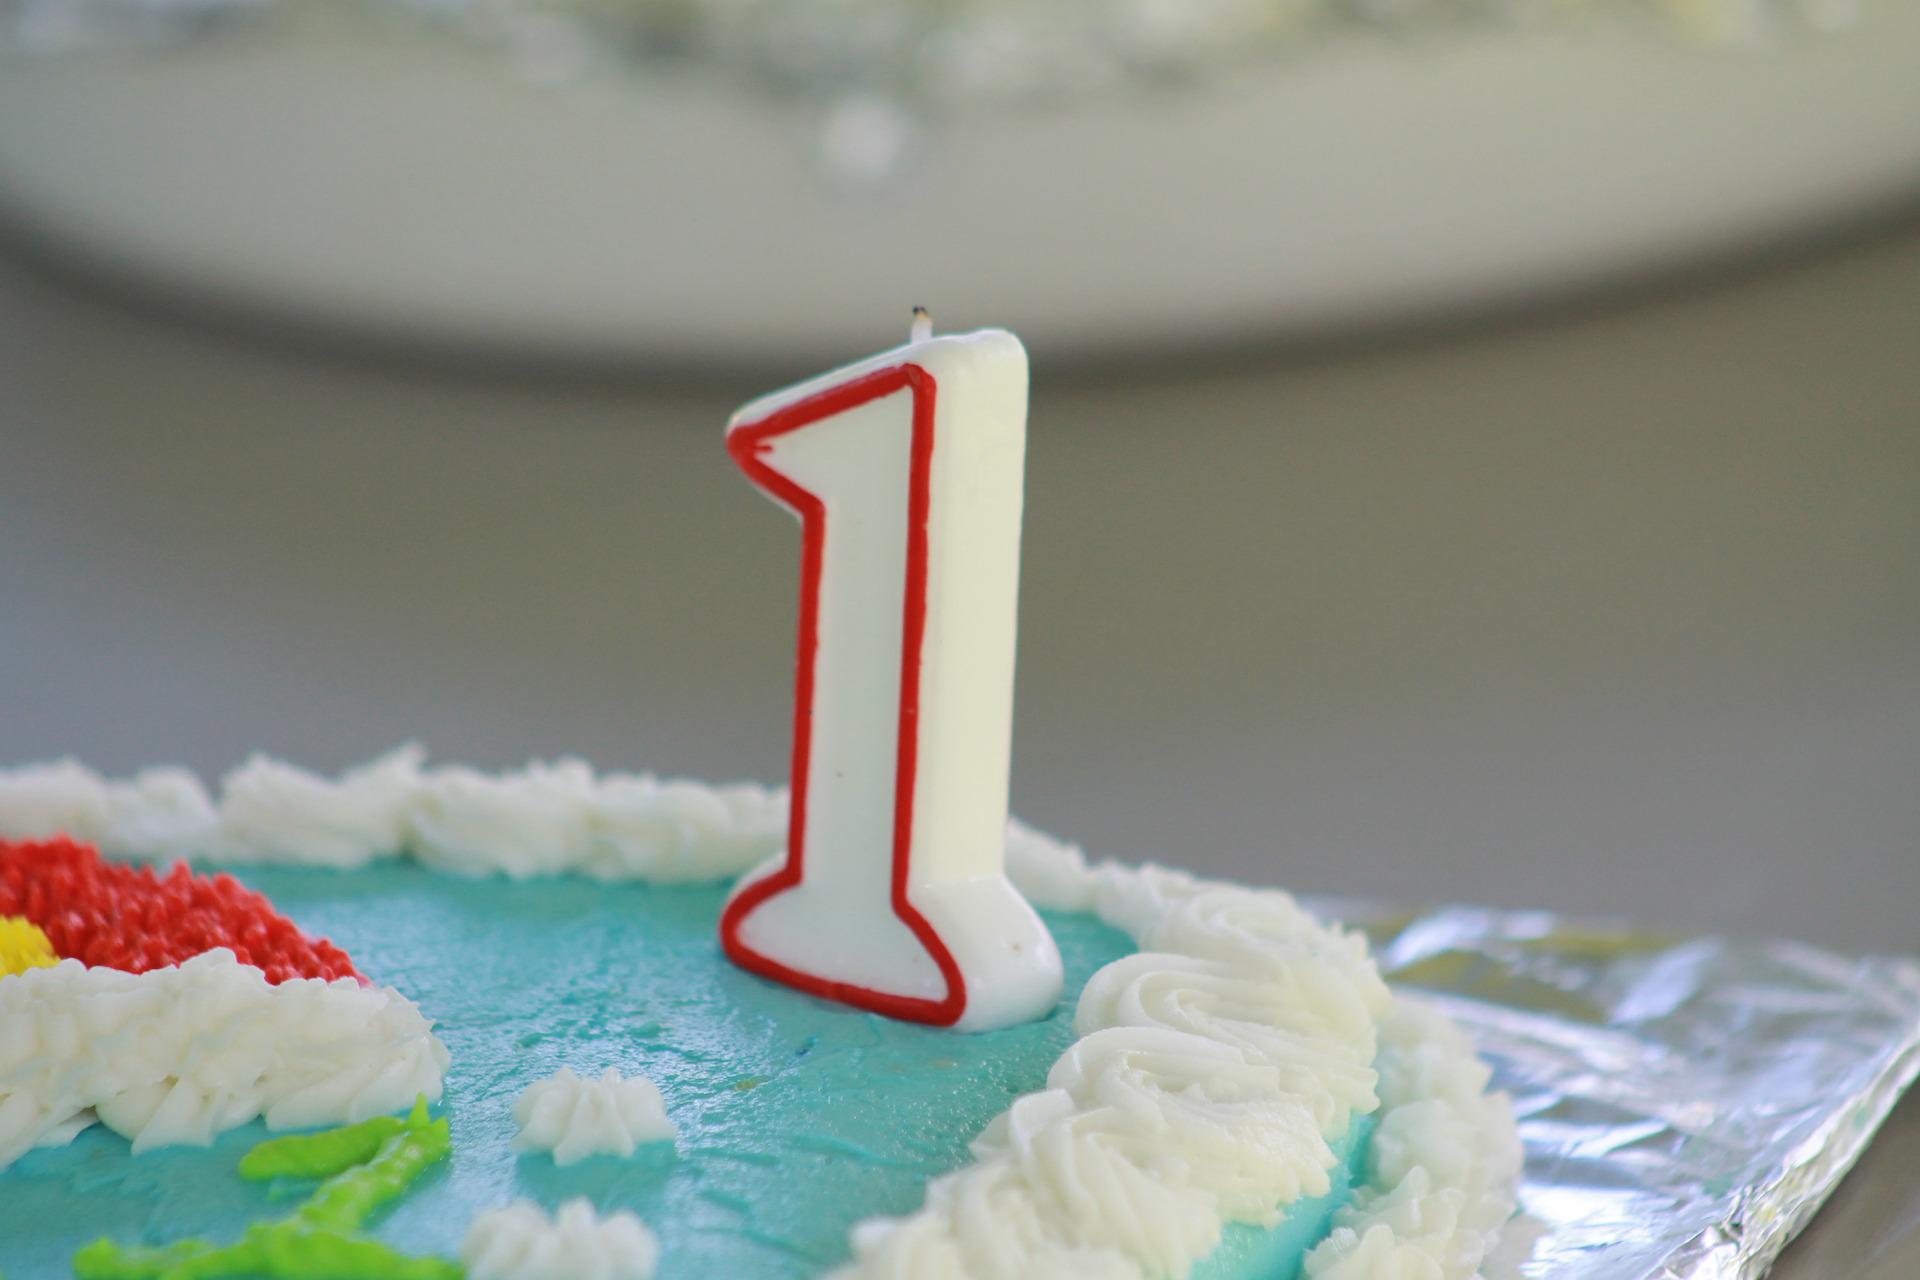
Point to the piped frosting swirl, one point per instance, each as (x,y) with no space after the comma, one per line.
(573,1118)
(520,1242)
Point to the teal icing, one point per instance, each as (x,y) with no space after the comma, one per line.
(797,1118)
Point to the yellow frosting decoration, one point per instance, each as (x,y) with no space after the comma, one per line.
(23,947)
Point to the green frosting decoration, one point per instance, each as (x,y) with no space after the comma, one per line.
(347,1199)
(105,1260)
(319,1155)
(287,1250)
(370,1163)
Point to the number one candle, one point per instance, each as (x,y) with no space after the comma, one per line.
(906,472)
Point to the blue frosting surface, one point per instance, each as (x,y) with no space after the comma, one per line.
(797,1118)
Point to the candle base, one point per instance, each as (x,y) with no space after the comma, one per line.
(970,953)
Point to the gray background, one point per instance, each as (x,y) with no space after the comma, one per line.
(1614,611)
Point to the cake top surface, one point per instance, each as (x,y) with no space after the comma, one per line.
(777,1160)
(1214,1072)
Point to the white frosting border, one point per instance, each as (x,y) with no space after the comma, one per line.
(1211,1068)
(545,819)
(1181,1106)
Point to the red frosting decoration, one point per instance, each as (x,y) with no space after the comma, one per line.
(124,917)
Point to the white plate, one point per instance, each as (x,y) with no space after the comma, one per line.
(414,188)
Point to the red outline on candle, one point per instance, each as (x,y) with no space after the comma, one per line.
(746,443)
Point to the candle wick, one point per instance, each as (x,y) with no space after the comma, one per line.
(922,326)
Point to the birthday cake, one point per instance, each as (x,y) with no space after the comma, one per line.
(1225,1089)
(558,1025)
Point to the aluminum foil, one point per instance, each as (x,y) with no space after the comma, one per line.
(1686,1103)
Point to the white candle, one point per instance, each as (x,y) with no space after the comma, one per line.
(906,471)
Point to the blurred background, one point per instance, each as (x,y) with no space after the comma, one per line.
(1475,451)
(1475,448)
